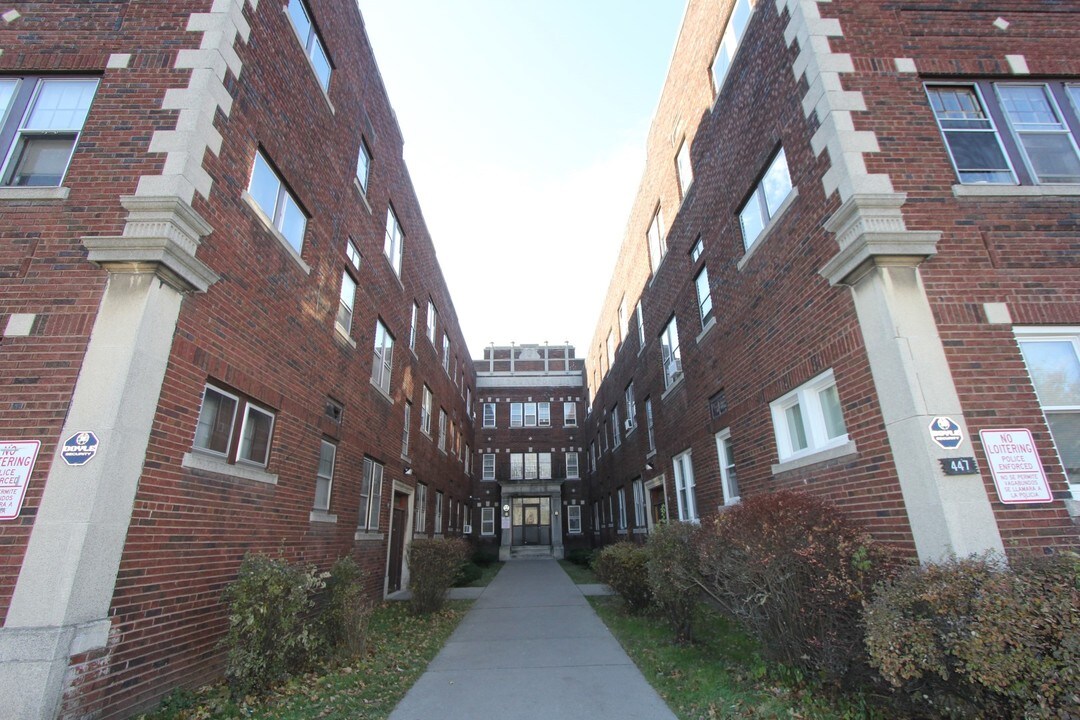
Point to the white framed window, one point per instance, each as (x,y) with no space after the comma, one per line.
(609,344)
(543,414)
(970,135)
(41,120)
(596,515)
(569,414)
(406,428)
(412,326)
(622,317)
(446,353)
(487,521)
(704,295)
(432,321)
(383,360)
(1052,356)
(640,326)
(516,415)
(426,404)
(517,466)
(729,44)
(277,203)
(438,511)
(394,242)
(489,466)
(639,503)
(769,194)
(310,40)
(809,418)
(592,457)
(489,415)
(1041,131)
(544,462)
(324,476)
(725,455)
(370,495)
(696,250)
(216,431)
(468,459)
(649,425)
(670,356)
(420,519)
(684,486)
(622,509)
(530,414)
(363,165)
(442,430)
(616,430)
(352,254)
(683,170)
(572,472)
(573,519)
(657,241)
(610,511)
(631,407)
(345,302)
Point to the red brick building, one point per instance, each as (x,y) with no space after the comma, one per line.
(855,238)
(217,277)
(530,405)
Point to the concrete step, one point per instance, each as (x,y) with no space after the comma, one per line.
(530,551)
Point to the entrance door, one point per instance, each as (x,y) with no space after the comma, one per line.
(656,504)
(397,548)
(531,521)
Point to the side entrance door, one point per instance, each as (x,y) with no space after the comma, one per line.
(397,548)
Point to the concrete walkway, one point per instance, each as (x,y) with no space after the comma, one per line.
(532,648)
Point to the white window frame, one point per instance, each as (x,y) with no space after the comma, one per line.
(725,458)
(573,472)
(488,467)
(363,166)
(1020,130)
(353,254)
(685,492)
(243,408)
(382,363)
(420,517)
(573,519)
(622,509)
(313,45)
(640,507)
(489,415)
(631,408)
(346,302)
(808,398)
(426,406)
(446,353)
(656,239)
(438,512)
(616,430)
(758,205)
(684,171)
(405,431)
(412,326)
(543,414)
(324,478)
(370,496)
(670,354)
(487,521)
(649,424)
(1067,334)
(442,430)
(284,203)
(640,327)
(432,321)
(569,414)
(530,414)
(623,327)
(704,295)
(394,242)
(731,40)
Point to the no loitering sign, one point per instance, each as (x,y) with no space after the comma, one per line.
(17,458)
(1014,462)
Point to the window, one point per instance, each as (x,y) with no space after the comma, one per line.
(405,431)
(215,431)
(573,519)
(363,165)
(696,250)
(352,254)
(670,356)
(572,466)
(324,476)
(683,171)
(809,419)
(726,457)
(370,495)
(704,295)
(468,459)
(43,118)
(277,203)
(639,503)
(631,407)
(657,242)
(313,46)
(596,515)
(640,327)
(425,412)
(592,457)
(515,415)
(684,486)
(420,521)
(487,521)
(1040,148)
(1052,356)
(765,201)
(622,509)
(622,318)
(569,410)
(446,353)
(489,466)
(489,415)
(649,425)
(394,243)
(530,466)
(609,344)
(616,431)
(733,33)
(530,414)
(442,430)
(432,319)
(345,302)
(412,327)
(438,511)
(543,414)
(383,358)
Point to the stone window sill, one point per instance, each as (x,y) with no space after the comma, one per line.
(276,233)
(814,458)
(34,193)
(322,516)
(705,330)
(367,536)
(207,463)
(1014,191)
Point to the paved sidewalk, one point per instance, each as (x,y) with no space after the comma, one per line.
(532,648)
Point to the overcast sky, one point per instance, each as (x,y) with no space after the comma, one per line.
(525,125)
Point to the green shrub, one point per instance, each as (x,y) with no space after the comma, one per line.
(623,567)
(581,556)
(271,628)
(470,572)
(347,609)
(972,638)
(485,556)
(672,575)
(433,567)
(794,572)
